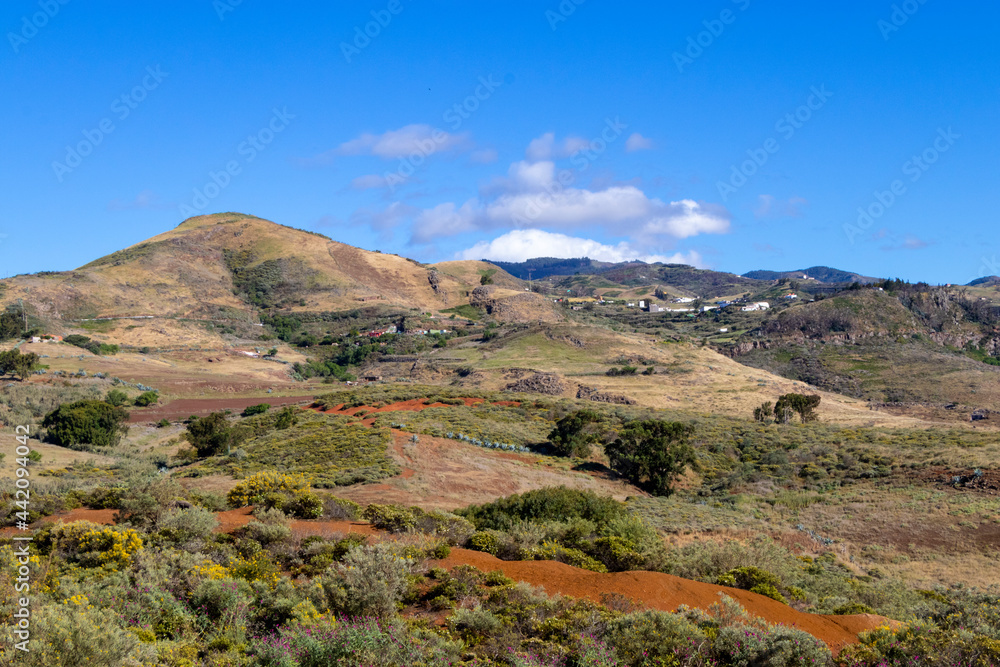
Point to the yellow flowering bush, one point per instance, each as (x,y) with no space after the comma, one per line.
(93,544)
(254,488)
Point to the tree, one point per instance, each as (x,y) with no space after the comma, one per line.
(652,454)
(572,437)
(486,279)
(147,398)
(13,362)
(789,404)
(116,397)
(86,422)
(213,435)
(764,412)
(12,323)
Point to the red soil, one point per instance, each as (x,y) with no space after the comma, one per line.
(183,408)
(653,590)
(656,590)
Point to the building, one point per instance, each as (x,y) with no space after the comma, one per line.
(684,299)
(753,307)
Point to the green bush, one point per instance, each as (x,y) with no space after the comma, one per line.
(551,504)
(146,399)
(213,435)
(488,541)
(393,518)
(370,581)
(85,424)
(776,646)
(652,638)
(116,397)
(342,509)
(258,409)
(617,554)
(652,454)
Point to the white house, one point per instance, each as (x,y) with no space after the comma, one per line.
(753,307)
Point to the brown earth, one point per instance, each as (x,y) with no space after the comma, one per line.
(656,590)
(653,590)
(185,407)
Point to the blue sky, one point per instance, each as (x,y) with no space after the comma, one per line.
(732,134)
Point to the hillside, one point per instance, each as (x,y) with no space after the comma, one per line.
(228,268)
(936,353)
(823,274)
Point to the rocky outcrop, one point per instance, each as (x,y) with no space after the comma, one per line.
(539,383)
(513,306)
(591,394)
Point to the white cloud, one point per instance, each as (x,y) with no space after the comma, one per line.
(416,139)
(522,244)
(637,142)
(545,147)
(531,197)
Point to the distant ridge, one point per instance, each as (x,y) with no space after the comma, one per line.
(985,281)
(823,274)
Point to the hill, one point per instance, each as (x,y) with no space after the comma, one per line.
(985,281)
(229,268)
(823,274)
(936,352)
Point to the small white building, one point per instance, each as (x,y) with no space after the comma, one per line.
(753,307)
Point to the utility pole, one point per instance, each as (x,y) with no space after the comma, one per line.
(530,285)
(24,316)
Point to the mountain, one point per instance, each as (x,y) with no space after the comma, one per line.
(986,281)
(823,274)
(232,266)
(543,267)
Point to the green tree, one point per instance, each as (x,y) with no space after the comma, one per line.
(764,412)
(213,435)
(116,397)
(13,362)
(574,433)
(652,454)
(86,422)
(147,398)
(789,404)
(12,323)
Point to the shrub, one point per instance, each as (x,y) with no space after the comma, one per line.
(186,525)
(146,398)
(336,508)
(393,518)
(93,545)
(258,409)
(253,489)
(271,525)
(75,634)
(116,397)
(213,435)
(362,642)
(617,554)
(305,506)
(552,504)
(370,581)
(574,557)
(163,423)
(488,541)
(20,365)
(85,424)
(653,637)
(776,646)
